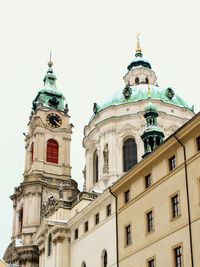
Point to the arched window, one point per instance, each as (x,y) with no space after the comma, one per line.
(146,80)
(32,151)
(49,245)
(104,258)
(52,151)
(137,80)
(83,264)
(129,154)
(95,167)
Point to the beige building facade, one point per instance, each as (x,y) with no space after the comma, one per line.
(158,210)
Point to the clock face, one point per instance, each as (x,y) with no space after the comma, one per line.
(54,120)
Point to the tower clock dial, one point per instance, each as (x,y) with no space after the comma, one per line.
(54,120)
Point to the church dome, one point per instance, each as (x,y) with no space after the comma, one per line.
(144,92)
(141,84)
(119,124)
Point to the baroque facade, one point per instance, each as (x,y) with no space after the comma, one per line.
(54,223)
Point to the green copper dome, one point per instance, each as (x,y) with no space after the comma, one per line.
(49,96)
(144,92)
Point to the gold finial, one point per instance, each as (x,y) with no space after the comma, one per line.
(149,91)
(50,63)
(138,48)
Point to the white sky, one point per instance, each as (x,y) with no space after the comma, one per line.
(93,42)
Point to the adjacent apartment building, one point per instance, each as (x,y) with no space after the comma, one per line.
(158,204)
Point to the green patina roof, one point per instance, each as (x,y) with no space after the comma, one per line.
(49,96)
(144,92)
(150,107)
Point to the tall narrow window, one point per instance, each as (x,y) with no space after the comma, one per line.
(147,180)
(137,80)
(95,167)
(20,220)
(86,227)
(172,163)
(150,226)
(52,151)
(198,143)
(76,233)
(152,263)
(97,218)
(108,210)
(175,206)
(83,264)
(126,196)
(178,260)
(32,151)
(129,154)
(128,240)
(105,259)
(49,245)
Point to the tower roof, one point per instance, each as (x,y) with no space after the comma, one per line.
(139,60)
(49,96)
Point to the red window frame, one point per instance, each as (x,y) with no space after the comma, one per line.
(52,151)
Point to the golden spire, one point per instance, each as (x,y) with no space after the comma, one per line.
(50,63)
(138,47)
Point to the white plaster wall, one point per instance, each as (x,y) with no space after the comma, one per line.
(90,247)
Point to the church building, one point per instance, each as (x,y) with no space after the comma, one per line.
(54,223)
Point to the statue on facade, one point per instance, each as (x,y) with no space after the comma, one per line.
(95,108)
(60,192)
(106,159)
(51,200)
(66,110)
(84,176)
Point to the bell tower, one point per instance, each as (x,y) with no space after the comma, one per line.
(49,133)
(47,167)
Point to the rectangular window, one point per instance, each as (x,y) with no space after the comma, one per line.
(198,143)
(175,206)
(127,196)
(128,234)
(149,217)
(86,226)
(147,180)
(178,258)
(152,263)
(97,218)
(108,210)
(76,233)
(172,163)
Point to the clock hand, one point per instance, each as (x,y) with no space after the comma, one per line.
(56,122)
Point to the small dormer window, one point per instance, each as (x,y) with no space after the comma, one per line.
(137,80)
